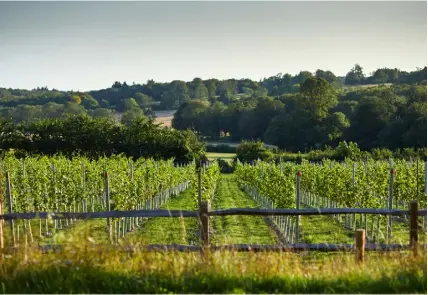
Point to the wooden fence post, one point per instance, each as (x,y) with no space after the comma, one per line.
(203,213)
(360,243)
(414,227)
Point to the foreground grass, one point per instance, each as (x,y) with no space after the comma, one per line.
(237,229)
(86,269)
(322,229)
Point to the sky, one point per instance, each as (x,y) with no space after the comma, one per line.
(90,45)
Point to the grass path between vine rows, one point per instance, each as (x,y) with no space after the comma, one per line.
(153,231)
(170,230)
(237,229)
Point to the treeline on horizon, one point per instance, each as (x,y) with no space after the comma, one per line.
(319,115)
(140,100)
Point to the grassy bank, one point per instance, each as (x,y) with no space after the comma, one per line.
(92,270)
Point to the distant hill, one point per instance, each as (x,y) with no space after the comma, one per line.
(29,105)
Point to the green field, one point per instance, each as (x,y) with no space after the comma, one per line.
(226,156)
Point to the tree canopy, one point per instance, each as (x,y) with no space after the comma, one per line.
(296,112)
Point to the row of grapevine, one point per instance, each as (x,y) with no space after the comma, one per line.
(209,175)
(46,184)
(272,186)
(372,184)
(347,184)
(58,184)
(366,184)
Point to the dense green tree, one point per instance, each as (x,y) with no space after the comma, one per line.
(371,116)
(355,76)
(318,97)
(129,104)
(253,124)
(227,90)
(329,77)
(143,100)
(301,77)
(132,115)
(89,102)
(346,107)
(211,86)
(380,76)
(103,113)
(287,131)
(190,115)
(198,89)
(336,124)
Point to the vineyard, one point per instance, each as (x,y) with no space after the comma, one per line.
(144,202)
(58,184)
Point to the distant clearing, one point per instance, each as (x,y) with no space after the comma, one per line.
(214,156)
(164,117)
(367,86)
(233,144)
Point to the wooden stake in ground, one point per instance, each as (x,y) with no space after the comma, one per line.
(414,227)
(204,227)
(204,223)
(360,242)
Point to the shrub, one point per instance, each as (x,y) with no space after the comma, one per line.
(347,150)
(249,151)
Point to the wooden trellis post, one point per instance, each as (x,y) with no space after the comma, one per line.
(360,243)
(414,227)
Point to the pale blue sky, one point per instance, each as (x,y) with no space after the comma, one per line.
(84,46)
